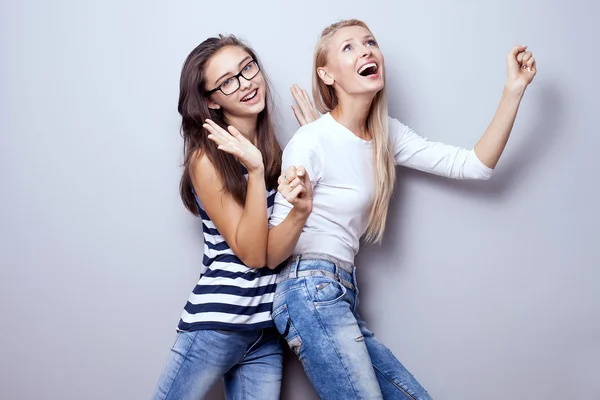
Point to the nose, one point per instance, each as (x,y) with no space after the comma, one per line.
(366,52)
(244,83)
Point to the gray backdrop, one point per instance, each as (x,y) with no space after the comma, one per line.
(485,290)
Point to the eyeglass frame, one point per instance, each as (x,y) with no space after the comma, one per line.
(236,76)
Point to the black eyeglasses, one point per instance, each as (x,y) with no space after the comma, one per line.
(232,84)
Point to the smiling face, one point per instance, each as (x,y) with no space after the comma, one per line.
(223,70)
(354,63)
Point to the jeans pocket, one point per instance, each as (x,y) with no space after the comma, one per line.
(286,328)
(183,341)
(176,339)
(327,291)
(226,332)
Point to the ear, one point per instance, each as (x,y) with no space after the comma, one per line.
(212,105)
(325,76)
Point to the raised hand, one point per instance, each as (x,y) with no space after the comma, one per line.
(305,111)
(236,144)
(520,67)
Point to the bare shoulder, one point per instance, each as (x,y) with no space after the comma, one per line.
(202,169)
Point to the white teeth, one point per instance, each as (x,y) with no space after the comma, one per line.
(250,96)
(366,66)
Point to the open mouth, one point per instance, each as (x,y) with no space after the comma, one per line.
(249,96)
(369,69)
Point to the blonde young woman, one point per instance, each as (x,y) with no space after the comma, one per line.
(346,180)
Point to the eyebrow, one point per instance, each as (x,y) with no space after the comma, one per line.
(247,58)
(365,37)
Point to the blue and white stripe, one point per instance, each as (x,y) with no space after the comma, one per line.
(229,295)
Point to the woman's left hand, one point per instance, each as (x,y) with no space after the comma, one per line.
(521,68)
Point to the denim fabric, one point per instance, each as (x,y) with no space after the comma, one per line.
(250,363)
(315,310)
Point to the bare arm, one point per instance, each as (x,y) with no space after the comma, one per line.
(283,238)
(521,70)
(244,227)
(295,191)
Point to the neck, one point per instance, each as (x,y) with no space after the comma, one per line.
(352,112)
(246,125)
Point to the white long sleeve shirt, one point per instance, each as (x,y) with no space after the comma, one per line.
(341,169)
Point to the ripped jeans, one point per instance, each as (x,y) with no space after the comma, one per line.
(315,310)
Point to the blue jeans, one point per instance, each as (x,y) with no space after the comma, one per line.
(250,363)
(315,310)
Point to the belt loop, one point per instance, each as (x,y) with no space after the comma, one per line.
(294,267)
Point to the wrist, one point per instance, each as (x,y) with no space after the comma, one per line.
(257,172)
(300,215)
(514,90)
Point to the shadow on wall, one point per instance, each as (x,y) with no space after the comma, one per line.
(514,166)
(510,175)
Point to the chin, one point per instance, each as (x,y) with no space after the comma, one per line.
(364,86)
(381,87)
(378,82)
(257,108)
(254,109)
(365,90)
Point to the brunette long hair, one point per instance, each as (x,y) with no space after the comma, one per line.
(194,110)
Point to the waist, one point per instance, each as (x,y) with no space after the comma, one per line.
(327,243)
(310,264)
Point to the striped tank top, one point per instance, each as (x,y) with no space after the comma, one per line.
(229,295)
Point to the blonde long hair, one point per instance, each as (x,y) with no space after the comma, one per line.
(377,123)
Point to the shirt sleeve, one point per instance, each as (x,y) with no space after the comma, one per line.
(303,150)
(414,151)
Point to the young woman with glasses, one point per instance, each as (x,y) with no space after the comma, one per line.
(229,180)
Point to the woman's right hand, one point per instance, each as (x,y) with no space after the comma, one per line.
(236,144)
(305,112)
(296,188)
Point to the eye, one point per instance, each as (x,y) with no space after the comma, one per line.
(248,67)
(347,47)
(371,42)
(226,83)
